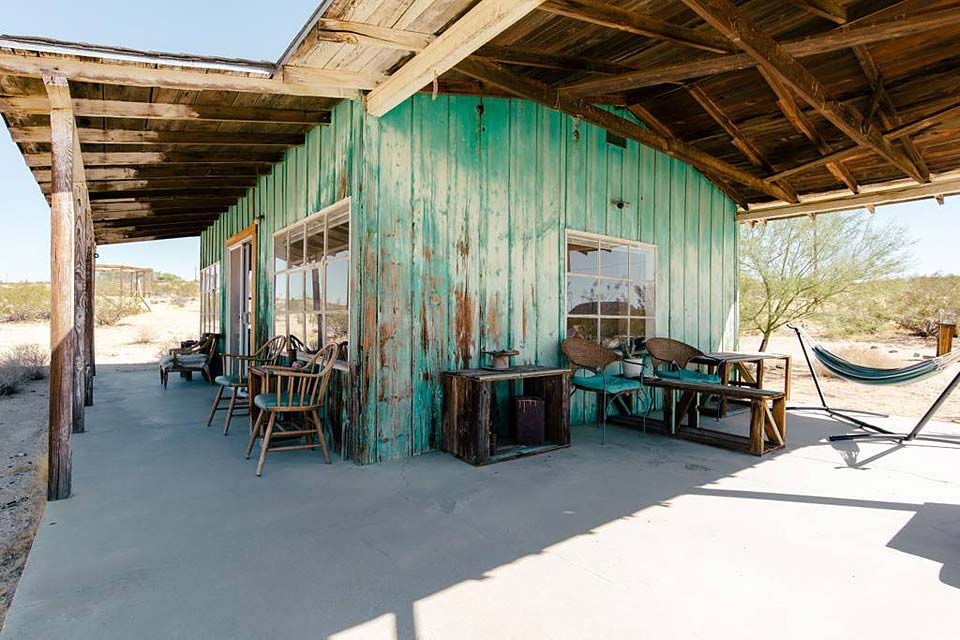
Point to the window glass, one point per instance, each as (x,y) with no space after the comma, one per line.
(295,247)
(338,275)
(315,236)
(338,235)
(280,305)
(336,327)
(280,251)
(616,301)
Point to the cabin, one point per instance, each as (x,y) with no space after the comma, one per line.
(430,180)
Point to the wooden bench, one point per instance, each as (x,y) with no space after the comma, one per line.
(768,415)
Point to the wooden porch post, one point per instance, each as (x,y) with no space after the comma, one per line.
(62,335)
(81,211)
(89,313)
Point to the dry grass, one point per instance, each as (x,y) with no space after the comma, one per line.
(20,364)
(144,335)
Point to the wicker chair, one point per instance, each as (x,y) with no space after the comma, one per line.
(590,356)
(289,391)
(671,359)
(194,356)
(234,376)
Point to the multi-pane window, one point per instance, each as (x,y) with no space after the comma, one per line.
(210,299)
(610,289)
(311,282)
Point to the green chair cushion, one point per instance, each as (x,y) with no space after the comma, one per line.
(614,383)
(229,381)
(688,375)
(267,401)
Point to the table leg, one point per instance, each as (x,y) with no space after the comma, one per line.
(724,380)
(760,374)
(757,418)
(668,418)
(786,377)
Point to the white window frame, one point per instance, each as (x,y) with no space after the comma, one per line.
(585,236)
(336,209)
(210,298)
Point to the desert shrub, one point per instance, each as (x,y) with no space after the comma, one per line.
(32,358)
(18,365)
(110,310)
(144,335)
(926,301)
(24,302)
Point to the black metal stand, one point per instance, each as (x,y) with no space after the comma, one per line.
(880,433)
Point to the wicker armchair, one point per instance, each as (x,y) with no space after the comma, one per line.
(671,359)
(289,391)
(235,376)
(591,357)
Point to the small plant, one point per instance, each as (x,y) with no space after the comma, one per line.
(24,302)
(144,336)
(32,358)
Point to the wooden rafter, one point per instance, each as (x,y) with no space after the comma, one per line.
(886,109)
(185,213)
(896,26)
(113,186)
(732,23)
(486,20)
(139,136)
(91,158)
(795,115)
(606,15)
(828,9)
(297,81)
(167,111)
(565,103)
(174,171)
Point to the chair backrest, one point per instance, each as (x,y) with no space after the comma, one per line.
(208,345)
(307,387)
(670,351)
(586,354)
(271,351)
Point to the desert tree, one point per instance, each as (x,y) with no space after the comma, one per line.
(790,268)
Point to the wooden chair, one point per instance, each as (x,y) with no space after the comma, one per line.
(292,392)
(234,376)
(590,356)
(190,358)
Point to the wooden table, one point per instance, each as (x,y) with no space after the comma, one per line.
(726,362)
(468,395)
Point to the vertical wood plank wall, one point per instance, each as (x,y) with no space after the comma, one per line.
(459,208)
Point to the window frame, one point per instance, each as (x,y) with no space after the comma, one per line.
(334,211)
(210,300)
(650,314)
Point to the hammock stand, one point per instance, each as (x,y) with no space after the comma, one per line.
(869,375)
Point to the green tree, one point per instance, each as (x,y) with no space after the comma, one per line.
(790,268)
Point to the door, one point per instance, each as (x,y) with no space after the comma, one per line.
(241,298)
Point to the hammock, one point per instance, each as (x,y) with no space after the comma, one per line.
(861,374)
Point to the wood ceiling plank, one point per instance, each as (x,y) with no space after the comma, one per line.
(150,137)
(741,30)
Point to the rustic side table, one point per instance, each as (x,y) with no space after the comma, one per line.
(468,395)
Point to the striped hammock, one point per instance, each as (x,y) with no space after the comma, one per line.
(872,375)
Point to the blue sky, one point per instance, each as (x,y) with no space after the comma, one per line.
(246,29)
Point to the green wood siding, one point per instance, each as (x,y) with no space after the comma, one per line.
(460,207)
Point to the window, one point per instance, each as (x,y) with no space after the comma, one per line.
(210,299)
(610,289)
(311,282)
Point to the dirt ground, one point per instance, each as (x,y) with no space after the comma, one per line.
(23,421)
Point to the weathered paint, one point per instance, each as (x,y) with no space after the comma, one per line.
(460,206)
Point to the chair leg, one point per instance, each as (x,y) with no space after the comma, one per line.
(233,402)
(216,403)
(255,432)
(266,442)
(603,418)
(320,437)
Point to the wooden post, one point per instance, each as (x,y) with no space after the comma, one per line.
(62,336)
(81,210)
(945,338)
(88,344)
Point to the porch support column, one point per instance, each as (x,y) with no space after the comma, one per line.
(90,368)
(62,284)
(80,250)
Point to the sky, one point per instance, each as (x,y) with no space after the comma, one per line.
(244,29)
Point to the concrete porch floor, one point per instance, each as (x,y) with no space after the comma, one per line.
(170,535)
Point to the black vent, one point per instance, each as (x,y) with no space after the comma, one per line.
(616,140)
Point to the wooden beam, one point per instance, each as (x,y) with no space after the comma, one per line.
(114,186)
(828,9)
(62,336)
(896,26)
(161,171)
(161,204)
(538,59)
(547,96)
(889,117)
(485,21)
(127,237)
(606,15)
(732,23)
(139,218)
(185,191)
(795,115)
(328,30)
(903,193)
(185,212)
(41,135)
(91,158)
(293,81)
(656,125)
(920,124)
